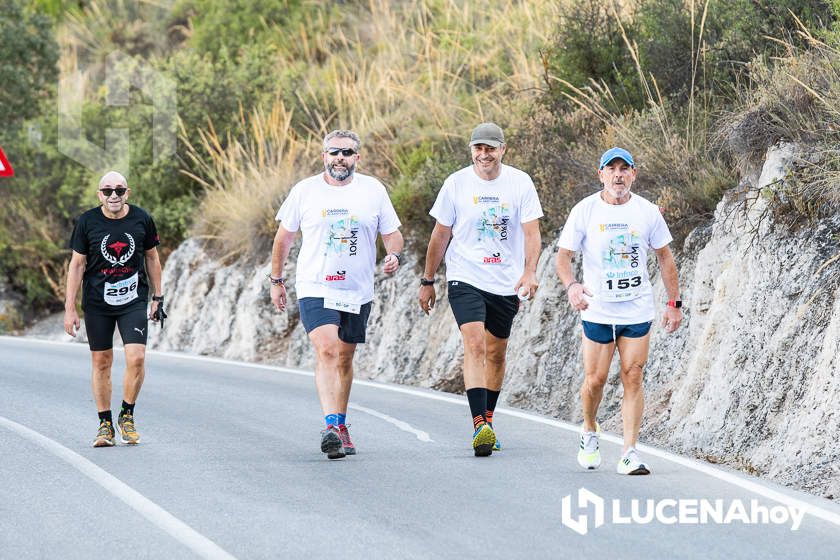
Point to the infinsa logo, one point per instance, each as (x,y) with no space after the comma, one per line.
(339,275)
(495,258)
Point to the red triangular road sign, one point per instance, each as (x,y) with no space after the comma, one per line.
(5,167)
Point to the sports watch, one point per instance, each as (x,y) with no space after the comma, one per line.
(427,282)
(675,303)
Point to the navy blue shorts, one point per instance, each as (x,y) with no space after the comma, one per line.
(351,326)
(605,334)
(133,325)
(469,304)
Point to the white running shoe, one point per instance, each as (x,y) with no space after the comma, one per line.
(631,463)
(589,454)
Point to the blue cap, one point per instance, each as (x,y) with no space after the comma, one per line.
(616,153)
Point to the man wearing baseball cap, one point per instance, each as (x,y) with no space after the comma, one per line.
(615,229)
(490,212)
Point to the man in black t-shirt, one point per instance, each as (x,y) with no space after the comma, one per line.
(114,250)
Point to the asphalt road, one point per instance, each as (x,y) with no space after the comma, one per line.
(230,467)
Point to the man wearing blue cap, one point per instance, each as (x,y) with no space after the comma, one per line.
(614,229)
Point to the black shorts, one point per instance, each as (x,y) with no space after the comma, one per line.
(469,304)
(351,326)
(133,325)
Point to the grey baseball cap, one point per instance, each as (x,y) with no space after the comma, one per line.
(487,133)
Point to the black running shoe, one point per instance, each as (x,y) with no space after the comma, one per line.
(331,443)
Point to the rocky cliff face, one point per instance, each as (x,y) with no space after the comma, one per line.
(750,379)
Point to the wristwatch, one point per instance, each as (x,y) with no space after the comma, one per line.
(675,303)
(427,282)
(399,257)
(157,298)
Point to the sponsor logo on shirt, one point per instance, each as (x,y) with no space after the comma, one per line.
(485,200)
(334,212)
(613,227)
(495,258)
(339,275)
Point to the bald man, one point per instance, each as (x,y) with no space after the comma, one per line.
(115,259)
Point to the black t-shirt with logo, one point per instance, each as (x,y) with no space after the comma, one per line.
(115,273)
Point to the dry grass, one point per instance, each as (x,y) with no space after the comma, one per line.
(398,73)
(245,181)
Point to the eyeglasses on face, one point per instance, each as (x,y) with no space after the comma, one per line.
(108,191)
(346,152)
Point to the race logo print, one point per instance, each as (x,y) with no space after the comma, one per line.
(343,237)
(116,253)
(493,223)
(622,251)
(495,258)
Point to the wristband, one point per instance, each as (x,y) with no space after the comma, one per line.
(157,298)
(399,257)
(276,281)
(425,282)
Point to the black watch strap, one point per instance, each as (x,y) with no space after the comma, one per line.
(157,298)
(426,281)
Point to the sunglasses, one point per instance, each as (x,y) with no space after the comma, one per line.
(346,152)
(108,191)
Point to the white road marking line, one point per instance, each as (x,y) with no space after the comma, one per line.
(405,426)
(740,481)
(158,516)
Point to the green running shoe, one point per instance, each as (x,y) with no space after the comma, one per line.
(105,435)
(589,454)
(484,439)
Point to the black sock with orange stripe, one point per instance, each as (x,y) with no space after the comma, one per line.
(477,397)
(492,399)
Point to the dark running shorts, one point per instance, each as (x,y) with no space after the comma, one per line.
(469,304)
(605,334)
(351,326)
(133,325)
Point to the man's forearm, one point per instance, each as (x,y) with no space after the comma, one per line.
(533,246)
(670,276)
(393,242)
(155,274)
(434,254)
(280,252)
(74,279)
(564,267)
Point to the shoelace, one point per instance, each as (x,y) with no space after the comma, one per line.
(344,434)
(590,441)
(104,430)
(128,424)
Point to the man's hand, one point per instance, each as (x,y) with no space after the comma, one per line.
(576,293)
(427,298)
(278,296)
(527,282)
(153,310)
(72,324)
(672,319)
(390,264)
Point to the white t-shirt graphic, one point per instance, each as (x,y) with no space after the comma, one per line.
(615,239)
(488,245)
(339,226)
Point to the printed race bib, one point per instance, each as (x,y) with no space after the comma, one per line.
(353,308)
(622,268)
(122,292)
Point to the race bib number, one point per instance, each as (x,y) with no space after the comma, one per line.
(622,263)
(616,288)
(122,292)
(342,306)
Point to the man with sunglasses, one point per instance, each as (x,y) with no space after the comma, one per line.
(487,225)
(115,258)
(339,213)
(615,229)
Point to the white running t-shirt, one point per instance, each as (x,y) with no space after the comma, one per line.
(339,226)
(488,244)
(615,240)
